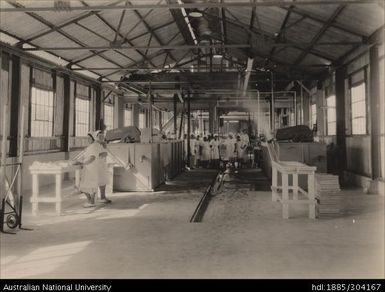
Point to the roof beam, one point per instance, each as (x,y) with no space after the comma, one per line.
(83,58)
(64,24)
(280,33)
(20,53)
(181,23)
(252,20)
(223,20)
(319,19)
(120,35)
(138,14)
(133,47)
(60,31)
(120,24)
(131,39)
(267,3)
(320,33)
(268,36)
(159,53)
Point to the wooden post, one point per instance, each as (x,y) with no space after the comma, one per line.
(340,114)
(295,186)
(311,193)
(175,115)
(274,180)
(375,121)
(20,158)
(3,152)
(58,181)
(35,194)
(285,195)
(150,117)
(66,114)
(188,129)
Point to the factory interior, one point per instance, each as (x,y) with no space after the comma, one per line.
(188,139)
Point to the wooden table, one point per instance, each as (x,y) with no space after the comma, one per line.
(57,171)
(280,192)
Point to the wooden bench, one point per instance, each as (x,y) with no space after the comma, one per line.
(280,192)
(57,171)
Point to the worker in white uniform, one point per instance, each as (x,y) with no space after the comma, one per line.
(230,147)
(193,157)
(245,137)
(241,150)
(214,148)
(89,182)
(102,168)
(205,157)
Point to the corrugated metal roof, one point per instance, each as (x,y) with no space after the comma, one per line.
(243,14)
(168,32)
(323,11)
(235,34)
(303,31)
(311,59)
(270,18)
(59,18)
(287,55)
(84,35)
(363,19)
(12,24)
(95,62)
(95,24)
(120,59)
(54,39)
(144,41)
(129,21)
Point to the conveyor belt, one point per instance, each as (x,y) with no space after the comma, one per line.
(201,208)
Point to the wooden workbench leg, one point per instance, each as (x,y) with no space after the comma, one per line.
(274,184)
(35,194)
(295,186)
(311,193)
(285,195)
(58,179)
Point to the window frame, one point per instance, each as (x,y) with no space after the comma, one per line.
(356,84)
(31,106)
(311,115)
(76,115)
(128,108)
(110,105)
(327,115)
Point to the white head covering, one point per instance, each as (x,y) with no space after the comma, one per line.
(94,134)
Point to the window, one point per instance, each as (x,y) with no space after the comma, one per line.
(109,116)
(331,115)
(127,116)
(142,119)
(82,117)
(358,107)
(41,112)
(314,116)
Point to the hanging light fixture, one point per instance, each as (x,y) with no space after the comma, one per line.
(195,13)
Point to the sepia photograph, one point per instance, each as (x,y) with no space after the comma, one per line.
(192,139)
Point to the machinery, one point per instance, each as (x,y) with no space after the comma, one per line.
(128,134)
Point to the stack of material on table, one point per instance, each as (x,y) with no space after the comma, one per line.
(327,189)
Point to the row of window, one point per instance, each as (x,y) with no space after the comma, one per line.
(357,109)
(42,111)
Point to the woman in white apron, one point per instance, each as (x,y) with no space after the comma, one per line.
(205,157)
(102,168)
(214,147)
(89,180)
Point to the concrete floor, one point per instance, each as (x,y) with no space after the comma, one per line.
(148,235)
